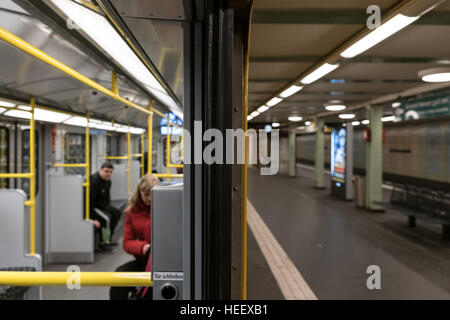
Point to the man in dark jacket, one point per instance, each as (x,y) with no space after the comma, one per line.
(100,199)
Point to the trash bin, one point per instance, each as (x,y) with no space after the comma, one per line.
(360,192)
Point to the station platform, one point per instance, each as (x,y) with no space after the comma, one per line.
(332,243)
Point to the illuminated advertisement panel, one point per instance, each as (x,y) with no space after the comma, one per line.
(338,149)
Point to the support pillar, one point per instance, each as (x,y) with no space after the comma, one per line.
(374,165)
(319,157)
(292,152)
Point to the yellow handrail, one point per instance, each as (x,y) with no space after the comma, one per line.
(15,175)
(170,165)
(117,158)
(70,165)
(21,44)
(38,54)
(108,279)
(170,175)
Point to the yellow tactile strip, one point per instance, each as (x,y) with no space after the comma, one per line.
(289,279)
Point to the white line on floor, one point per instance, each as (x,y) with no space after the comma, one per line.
(291,283)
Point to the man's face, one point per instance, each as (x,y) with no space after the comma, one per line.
(106,173)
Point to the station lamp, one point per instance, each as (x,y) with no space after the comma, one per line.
(347,116)
(435,75)
(295,118)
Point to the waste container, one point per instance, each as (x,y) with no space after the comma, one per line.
(360,191)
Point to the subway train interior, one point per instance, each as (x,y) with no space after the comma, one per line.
(224,150)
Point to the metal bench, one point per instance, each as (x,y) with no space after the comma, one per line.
(422,203)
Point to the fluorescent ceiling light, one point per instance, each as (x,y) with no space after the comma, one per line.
(6,104)
(26,108)
(18,114)
(275,124)
(388,119)
(263,109)
(323,70)
(295,118)
(77,121)
(347,116)
(386,30)
(365,122)
(123,129)
(274,101)
(102,33)
(290,91)
(335,107)
(308,123)
(254,114)
(356,123)
(50,116)
(2,109)
(134,130)
(249,118)
(396,104)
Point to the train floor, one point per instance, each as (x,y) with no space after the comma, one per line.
(332,243)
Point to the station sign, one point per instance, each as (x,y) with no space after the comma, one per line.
(428,107)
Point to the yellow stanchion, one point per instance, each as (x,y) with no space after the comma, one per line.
(32,182)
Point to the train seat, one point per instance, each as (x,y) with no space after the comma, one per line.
(13,232)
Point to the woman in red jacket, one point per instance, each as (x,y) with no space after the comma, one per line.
(136,235)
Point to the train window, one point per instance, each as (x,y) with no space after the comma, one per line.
(74,152)
(4,156)
(26,159)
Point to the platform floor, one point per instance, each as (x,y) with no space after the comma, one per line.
(332,243)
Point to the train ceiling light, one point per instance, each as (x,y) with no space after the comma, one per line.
(96,27)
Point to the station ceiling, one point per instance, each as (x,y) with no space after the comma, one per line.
(289,38)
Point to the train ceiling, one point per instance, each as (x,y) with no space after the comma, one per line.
(42,26)
(289,37)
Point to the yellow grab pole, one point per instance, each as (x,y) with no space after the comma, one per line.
(244,167)
(117,158)
(32,181)
(150,138)
(88,181)
(129,161)
(107,279)
(114,87)
(168,149)
(142,155)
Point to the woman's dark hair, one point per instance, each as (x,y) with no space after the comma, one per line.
(107,165)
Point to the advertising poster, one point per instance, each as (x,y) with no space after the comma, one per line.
(338,149)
